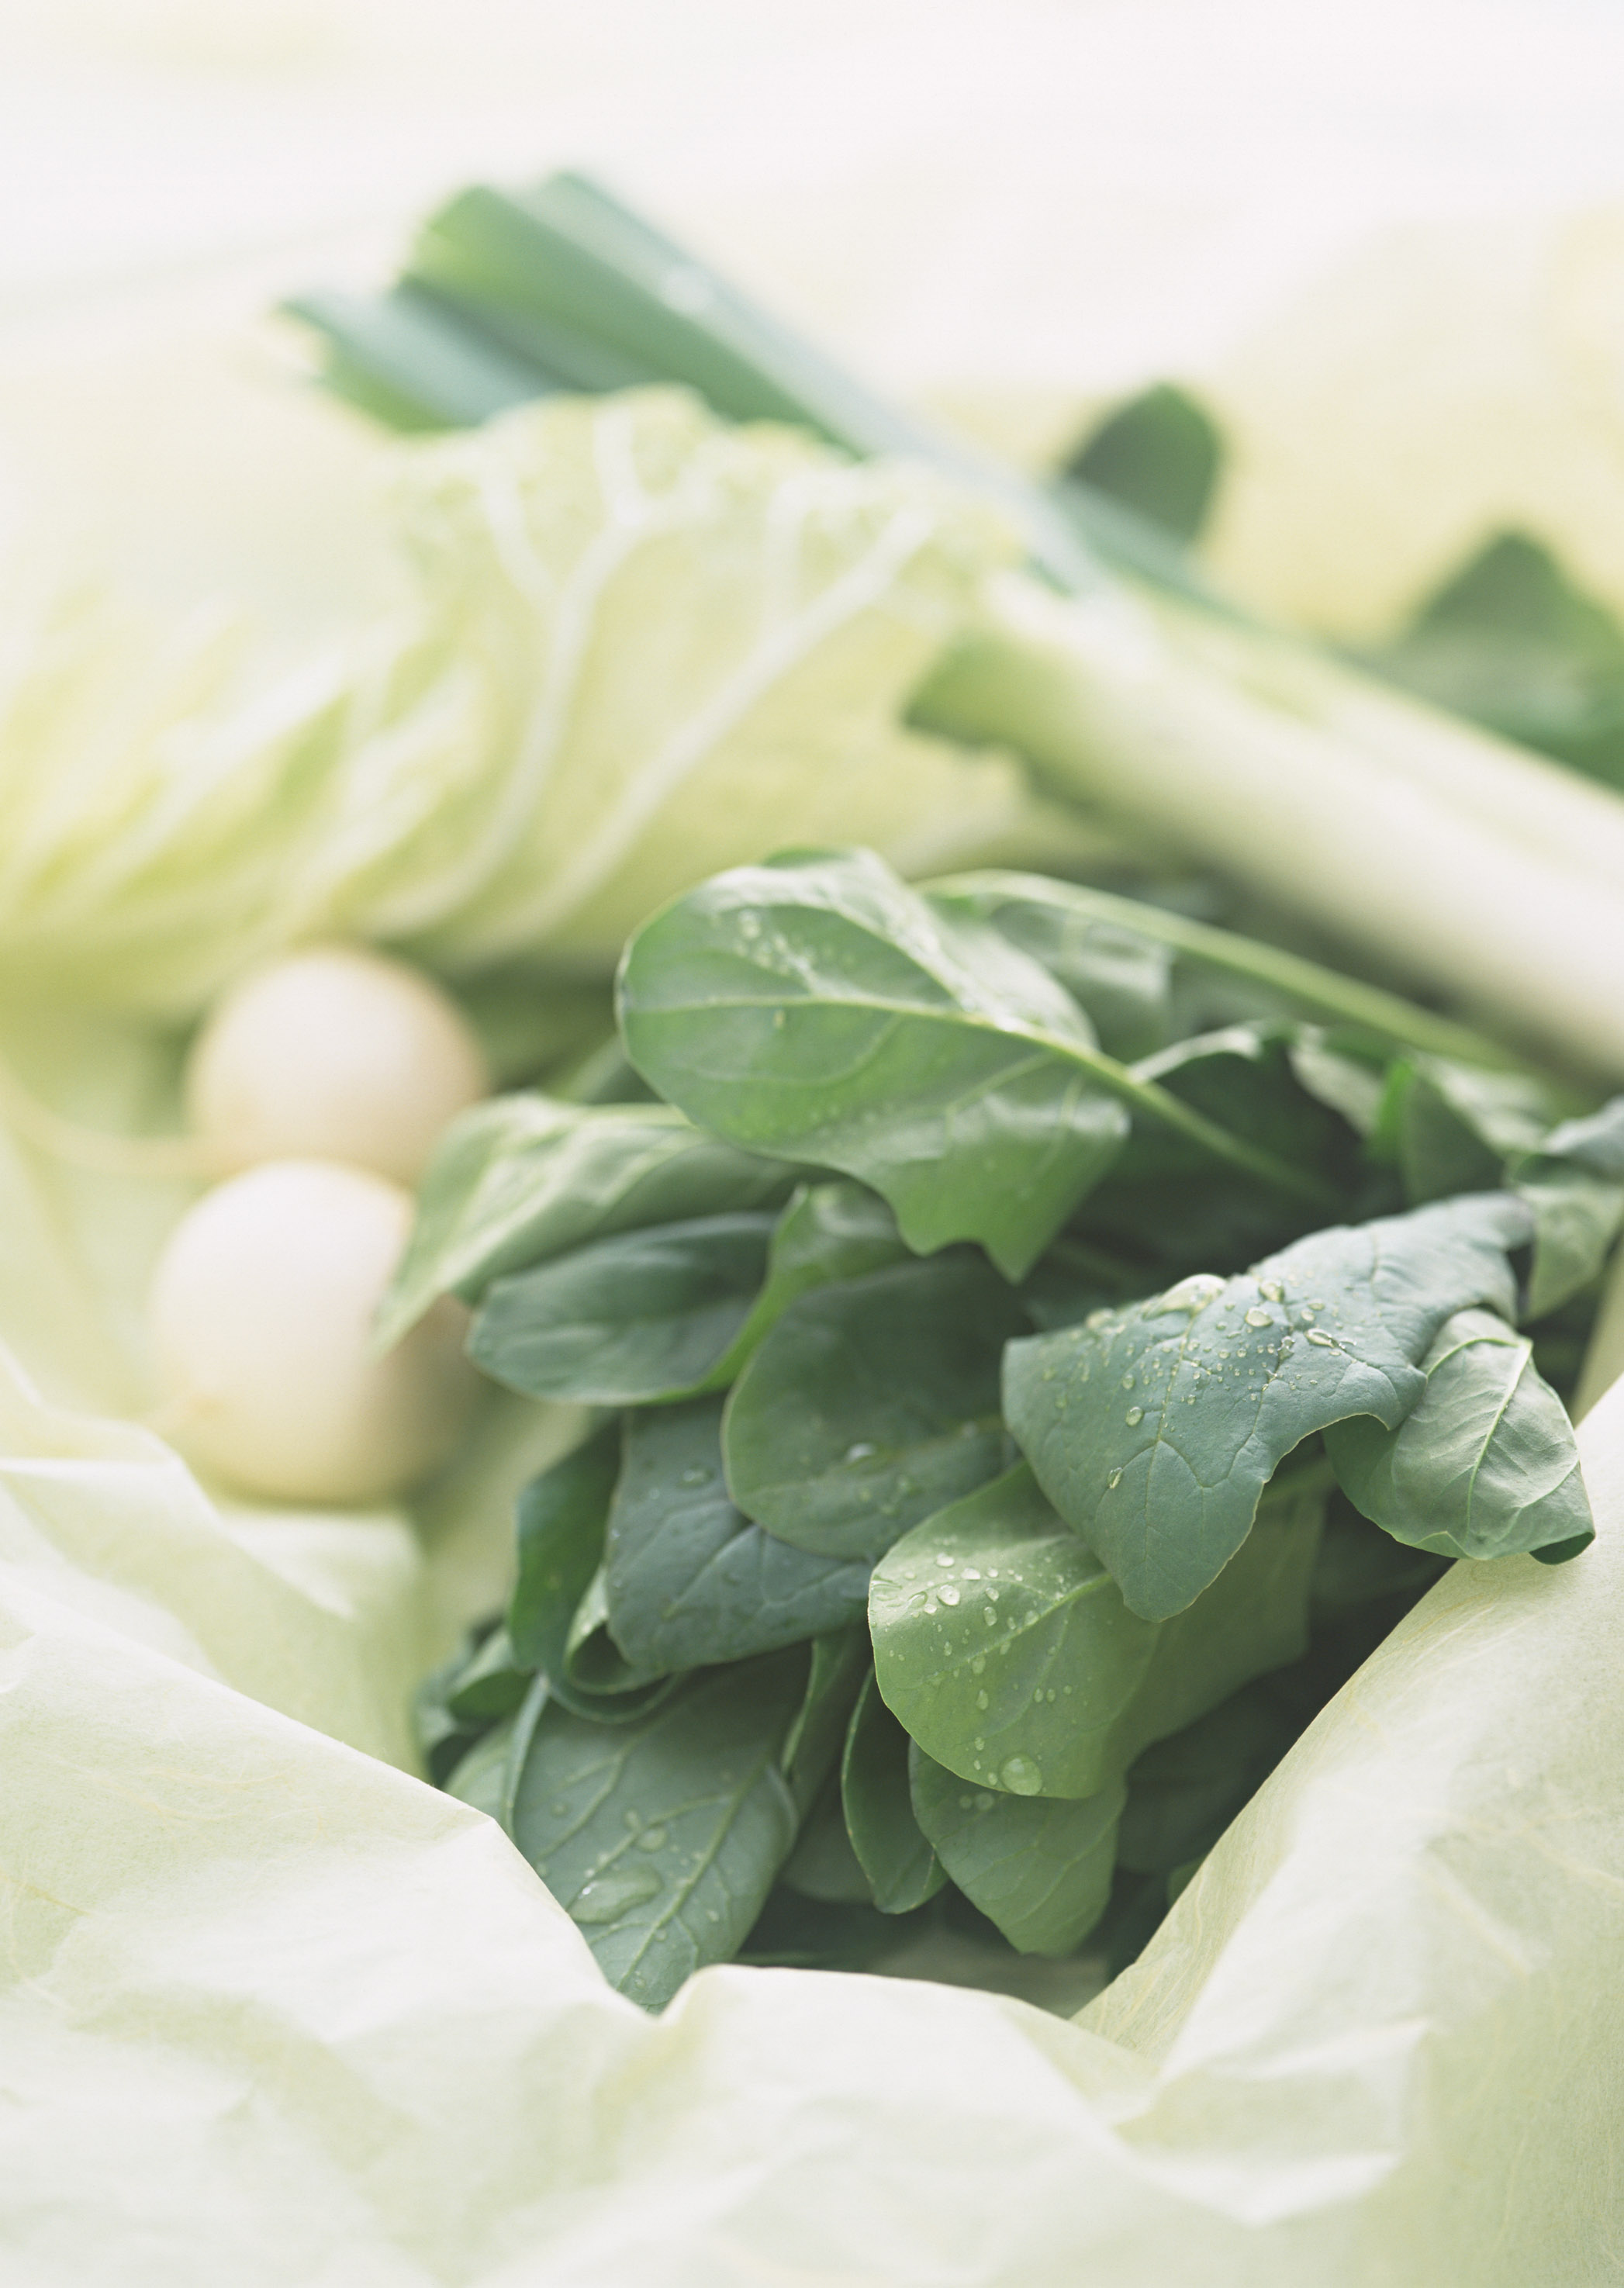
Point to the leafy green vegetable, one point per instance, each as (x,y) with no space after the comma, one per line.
(561,1516)
(522,1179)
(1007,1651)
(902,1869)
(598,1680)
(1039,1868)
(1511,642)
(1184,1791)
(815,1007)
(871,1403)
(1158,453)
(649,1317)
(1483,1465)
(1155,1432)
(688,1579)
(662,1837)
(641,1319)
(491,1684)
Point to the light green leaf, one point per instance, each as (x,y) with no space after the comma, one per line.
(1006,1650)
(1574,1186)
(1484,1465)
(1039,1869)
(1154,1432)
(689,1580)
(662,1837)
(871,1403)
(522,1179)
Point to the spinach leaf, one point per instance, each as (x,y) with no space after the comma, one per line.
(489,1685)
(481,1777)
(640,1319)
(1184,1790)
(689,1580)
(1120,978)
(871,1403)
(650,1318)
(1038,1868)
(1485,1463)
(816,1008)
(523,1177)
(903,1871)
(823,1865)
(1155,1432)
(1160,453)
(840,1662)
(443,1738)
(663,1837)
(1574,1184)
(561,1516)
(1456,1125)
(1007,1650)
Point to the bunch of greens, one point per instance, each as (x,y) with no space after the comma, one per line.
(1034,1346)
(1413,840)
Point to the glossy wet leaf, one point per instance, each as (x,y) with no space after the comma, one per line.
(688,1578)
(1484,1465)
(818,1009)
(521,1178)
(1039,1869)
(1155,1432)
(1007,1650)
(661,1838)
(903,1871)
(872,1403)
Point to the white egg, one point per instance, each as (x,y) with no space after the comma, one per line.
(261,1315)
(334,1053)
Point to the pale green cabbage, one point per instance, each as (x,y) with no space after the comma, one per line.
(642,645)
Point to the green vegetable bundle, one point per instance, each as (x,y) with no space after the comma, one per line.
(1034,1346)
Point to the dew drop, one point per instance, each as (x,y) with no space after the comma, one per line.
(859,1453)
(1097,1319)
(978,1666)
(1113,1481)
(971,1573)
(1021,1776)
(984,1802)
(981,1700)
(607,1896)
(1128,1382)
(1134,1416)
(697,1476)
(1257,1317)
(652,1839)
(1325,1342)
(950,1596)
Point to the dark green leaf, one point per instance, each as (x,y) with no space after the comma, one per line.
(1006,1650)
(663,1837)
(823,1865)
(598,1680)
(1574,1184)
(1117,975)
(491,1684)
(840,1662)
(520,1179)
(818,1009)
(1159,455)
(1456,1126)
(689,1579)
(561,1517)
(1484,1465)
(871,1403)
(903,1871)
(1155,1432)
(638,1319)
(1039,1869)
(1184,1790)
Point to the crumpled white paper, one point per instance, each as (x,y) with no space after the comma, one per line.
(277,2014)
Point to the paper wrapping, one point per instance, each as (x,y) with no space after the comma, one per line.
(278,2015)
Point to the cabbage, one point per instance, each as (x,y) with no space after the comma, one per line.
(639,646)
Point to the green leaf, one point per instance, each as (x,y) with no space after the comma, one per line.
(1120,978)
(1006,1650)
(662,1837)
(840,1662)
(903,1871)
(561,1515)
(823,1865)
(1160,453)
(1039,1869)
(481,1777)
(1184,1790)
(598,1680)
(1457,1126)
(871,1403)
(1155,1432)
(491,1684)
(1484,1465)
(1574,1184)
(652,1317)
(638,1320)
(521,1178)
(817,1009)
(688,1578)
